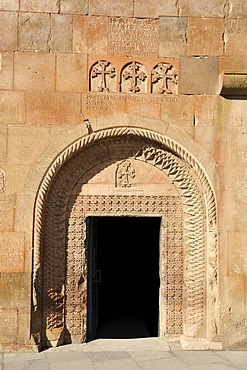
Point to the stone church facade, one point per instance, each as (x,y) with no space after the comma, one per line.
(123,133)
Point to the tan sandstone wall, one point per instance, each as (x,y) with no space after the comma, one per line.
(46,51)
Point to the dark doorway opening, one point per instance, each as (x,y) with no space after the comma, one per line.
(124,283)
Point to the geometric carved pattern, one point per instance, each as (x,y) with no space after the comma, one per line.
(76,276)
(174,276)
(53,288)
(171,250)
(123,204)
(50,209)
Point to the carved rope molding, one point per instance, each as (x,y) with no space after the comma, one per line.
(167,143)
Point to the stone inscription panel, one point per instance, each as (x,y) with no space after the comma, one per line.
(7,212)
(108,102)
(131,36)
(18,285)
(12,252)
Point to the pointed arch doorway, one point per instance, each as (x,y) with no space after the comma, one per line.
(121,173)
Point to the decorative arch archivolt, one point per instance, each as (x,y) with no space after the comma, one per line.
(50,253)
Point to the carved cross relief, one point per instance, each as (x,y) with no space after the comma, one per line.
(103,72)
(164,78)
(125,174)
(134,78)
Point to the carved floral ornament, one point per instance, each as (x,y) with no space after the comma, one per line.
(133,78)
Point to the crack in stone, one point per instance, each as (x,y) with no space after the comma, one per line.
(224,39)
(186,34)
(59,6)
(49,37)
(177,4)
(227,9)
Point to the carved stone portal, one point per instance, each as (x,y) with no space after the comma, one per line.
(60,277)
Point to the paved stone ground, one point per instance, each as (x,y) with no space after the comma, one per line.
(136,354)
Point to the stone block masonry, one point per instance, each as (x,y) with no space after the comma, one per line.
(44,6)
(53,108)
(34,32)
(6,70)
(8,38)
(72,68)
(172,36)
(205,36)
(9,5)
(90,35)
(11,107)
(74,7)
(34,71)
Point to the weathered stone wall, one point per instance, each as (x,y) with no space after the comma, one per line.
(47,50)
